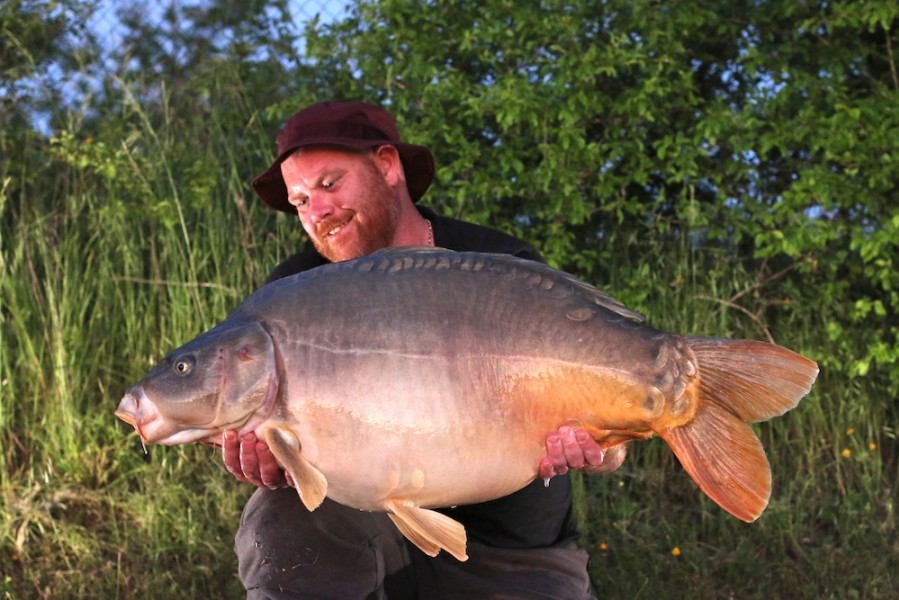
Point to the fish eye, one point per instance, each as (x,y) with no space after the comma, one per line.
(183,366)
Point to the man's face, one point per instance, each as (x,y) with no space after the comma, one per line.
(343,199)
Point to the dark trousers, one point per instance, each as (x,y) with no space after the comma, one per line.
(285,551)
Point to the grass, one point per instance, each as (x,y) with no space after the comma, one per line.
(125,251)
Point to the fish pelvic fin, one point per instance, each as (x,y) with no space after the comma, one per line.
(740,382)
(312,485)
(428,529)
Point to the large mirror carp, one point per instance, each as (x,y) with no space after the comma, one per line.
(412,379)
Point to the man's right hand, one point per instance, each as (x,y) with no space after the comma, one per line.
(251,461)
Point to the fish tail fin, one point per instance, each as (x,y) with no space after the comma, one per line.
(741,381)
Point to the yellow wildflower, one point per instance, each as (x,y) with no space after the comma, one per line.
(846,453)
(675,551)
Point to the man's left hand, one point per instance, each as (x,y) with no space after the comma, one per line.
(571,448)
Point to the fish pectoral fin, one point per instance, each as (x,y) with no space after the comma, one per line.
(725,458)
(312,485)
(428,529)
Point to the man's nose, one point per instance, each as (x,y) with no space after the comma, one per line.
(320,208)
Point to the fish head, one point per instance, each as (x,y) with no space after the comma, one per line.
(224,379)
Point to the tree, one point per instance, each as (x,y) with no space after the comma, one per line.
(41,43)
(614,132)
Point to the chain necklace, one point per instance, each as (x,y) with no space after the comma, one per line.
(430,233)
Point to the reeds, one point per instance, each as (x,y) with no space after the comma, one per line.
(127,251)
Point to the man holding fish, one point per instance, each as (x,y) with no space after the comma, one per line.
(342,168)
(408,391)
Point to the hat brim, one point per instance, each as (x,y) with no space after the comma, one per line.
(418,166)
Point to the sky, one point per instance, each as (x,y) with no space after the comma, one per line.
(105,24)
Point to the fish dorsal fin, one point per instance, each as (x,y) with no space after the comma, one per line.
(408,249)
(599,297)
(311,483)
(511,263)
(428,529)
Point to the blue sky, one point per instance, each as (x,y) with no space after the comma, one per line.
(106,26)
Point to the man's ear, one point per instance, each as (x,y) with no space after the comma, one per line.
(387,160)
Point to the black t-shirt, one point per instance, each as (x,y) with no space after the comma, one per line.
(536,516)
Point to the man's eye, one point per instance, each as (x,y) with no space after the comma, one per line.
(328,184)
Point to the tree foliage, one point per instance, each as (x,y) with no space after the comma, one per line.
(606,131)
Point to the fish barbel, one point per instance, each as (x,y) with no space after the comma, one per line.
(413,379)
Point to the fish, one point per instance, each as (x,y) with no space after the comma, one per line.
(413,379)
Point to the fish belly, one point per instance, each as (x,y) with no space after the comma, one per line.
(446,432)
(440,386)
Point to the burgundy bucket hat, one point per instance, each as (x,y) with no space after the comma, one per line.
(352,124)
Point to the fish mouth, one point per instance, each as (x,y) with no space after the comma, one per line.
(136,410)
(153,427)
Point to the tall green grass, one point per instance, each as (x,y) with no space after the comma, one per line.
(123,254)
(125,250)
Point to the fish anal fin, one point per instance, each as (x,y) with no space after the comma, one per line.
(725,458)
(614,437)
(609,437)
(311,483)
(428,529)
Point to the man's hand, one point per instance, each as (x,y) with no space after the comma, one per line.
(571,448)
(250,461)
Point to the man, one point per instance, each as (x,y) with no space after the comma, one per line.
(342,168)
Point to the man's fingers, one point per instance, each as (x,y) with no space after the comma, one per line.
(231,454)
(614,457)
(555,462)
(594,454)
(570,448)
(270,472)
(249,461)
(574,454)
